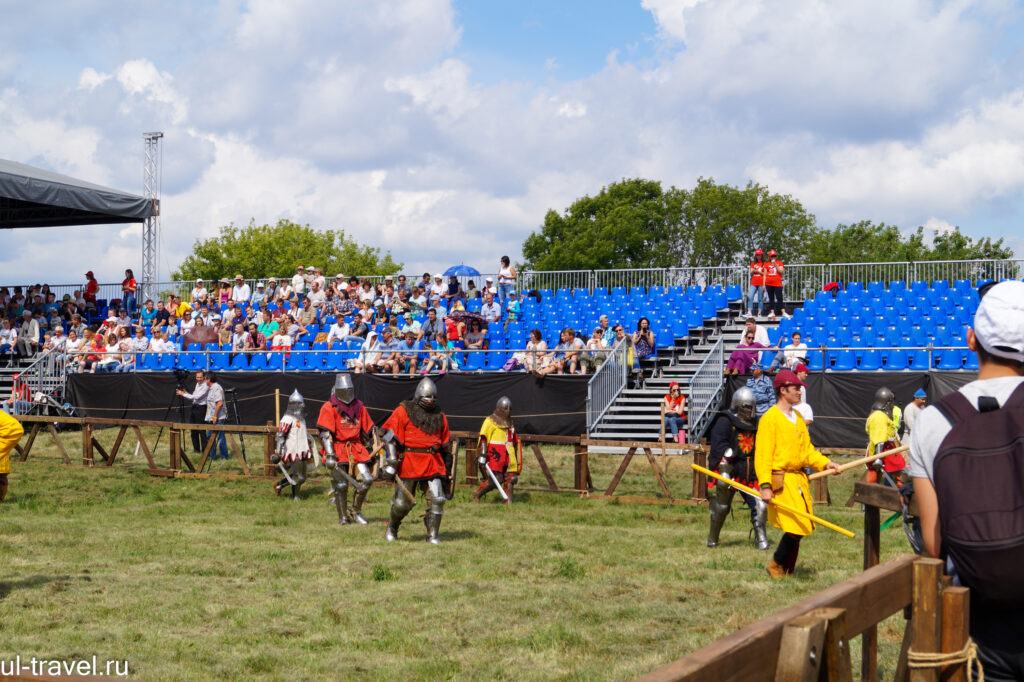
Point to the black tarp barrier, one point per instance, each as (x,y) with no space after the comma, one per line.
(842,401)
(33,197)
(553,405)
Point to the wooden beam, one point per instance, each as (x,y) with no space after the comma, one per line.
(750,653)
(927,618)
(174,438)
(544,467)
(956,616)
(117,444)
(87,441)
(800,649)
(103,453)
(869,639)
(681,448)
(60,446)
(619,473)
(268,451)
(835,662)
(233,446)
(31,440)
(881,496)
(145,448)
(700,481)
(657,473)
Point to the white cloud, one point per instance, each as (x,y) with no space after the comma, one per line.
(671,15)
(91,78)
(141,77)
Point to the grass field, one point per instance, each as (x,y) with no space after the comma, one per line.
(216,579)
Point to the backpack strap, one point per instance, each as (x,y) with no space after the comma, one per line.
(955,406)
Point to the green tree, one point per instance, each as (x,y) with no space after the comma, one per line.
(624,226)
(956,246)
(721,225)
(276,250)
(864,242)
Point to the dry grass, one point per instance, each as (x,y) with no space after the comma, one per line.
(212,579)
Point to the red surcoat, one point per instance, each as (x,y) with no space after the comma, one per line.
(418,464)
(346,432)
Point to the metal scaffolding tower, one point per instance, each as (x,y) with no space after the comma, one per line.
(152,172)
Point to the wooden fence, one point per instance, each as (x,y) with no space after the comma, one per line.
(176,461)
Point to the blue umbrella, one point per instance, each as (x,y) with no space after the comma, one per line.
(461,271)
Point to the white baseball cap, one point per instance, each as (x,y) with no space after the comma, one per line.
(999,322)
(438,276)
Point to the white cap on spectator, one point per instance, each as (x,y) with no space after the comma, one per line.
(260,285)
(387,277)
(999,322)
(339,276)
(199,280)
(438,276)
(489,279)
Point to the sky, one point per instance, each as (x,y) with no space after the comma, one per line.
(442,131)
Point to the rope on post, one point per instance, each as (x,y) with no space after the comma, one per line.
(967,655)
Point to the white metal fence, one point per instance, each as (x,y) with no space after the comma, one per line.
(706,389)
(606,384)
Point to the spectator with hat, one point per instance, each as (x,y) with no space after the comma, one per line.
(437,288)
(803,407)
(223,292)
(946,441)
(299,280)
(260,296)
(241,291)
(911,413)
(773,284)
(674,407)
(199,294)
(755,292)
(489,287)
(761,385)
(270,293)
(28,335)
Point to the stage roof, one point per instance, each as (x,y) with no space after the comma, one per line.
(32,197)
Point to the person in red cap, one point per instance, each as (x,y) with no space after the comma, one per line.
(92,287)
(773,284)
(674,407)
(782,451)
(755,294)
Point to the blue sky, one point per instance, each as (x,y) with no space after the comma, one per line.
(443,131)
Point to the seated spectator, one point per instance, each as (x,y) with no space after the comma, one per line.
(410,324)
(241,291)
(761,385)
(453,292)
(490,310)
(438,288)
(760,333)
(368,355)
(359,327)
(255,341)
(147,316)
(8,339)
(161,343)
(346,306)
(400,305)
(199,294)
(366,293)
(367,311)
(20,400)
(77,326)
(187,323)
(593,358)
(162,319)
(140,343)
(566,355)
(178,307)
(111,356)
(223,295)
(71,348)
(270,291)
(402,286)
(296,330)
(675,412)
(409,354)
(432,327)
(209,317)
(126,357)
(643,339)
(513,307)
(471,290)
(316,295)
(339,333)
(268,327)
(456,331)
(745,355)
(475,336)
(259,296)
(793,354)
(489,287)
(418,301)
(307,313)
(28,336)
(57,341)
(282,340)
(536,355)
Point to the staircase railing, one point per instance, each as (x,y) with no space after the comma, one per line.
(706,389)
(606,384)
(46,374)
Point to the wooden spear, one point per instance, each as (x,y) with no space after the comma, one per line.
(857,462)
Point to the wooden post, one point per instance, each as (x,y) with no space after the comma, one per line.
(956,610)
(174,438)
(87,445)
(700,487)
(268,445)
(835,663)
(277,406)
(927,616)
(472,474)
(581,467)
(869,639)
(800,650)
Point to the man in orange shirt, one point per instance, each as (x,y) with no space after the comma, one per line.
(420,455)
(773,284)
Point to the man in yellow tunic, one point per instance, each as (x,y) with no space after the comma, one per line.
(10,433)
(782,451)
(882,426)
(500,451)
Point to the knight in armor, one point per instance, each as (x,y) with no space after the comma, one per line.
(292,451)
(348,435)
(419,456)
(881,426)
(500,451)
(732,439)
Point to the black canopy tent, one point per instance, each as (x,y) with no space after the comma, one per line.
(32,197)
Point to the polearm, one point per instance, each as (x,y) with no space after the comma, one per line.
(782,507)
(858,462)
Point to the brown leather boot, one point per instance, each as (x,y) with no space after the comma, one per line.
(775,570)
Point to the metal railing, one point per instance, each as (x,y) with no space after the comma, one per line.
(46,374)
(800,280)
(706,390)
(606,384)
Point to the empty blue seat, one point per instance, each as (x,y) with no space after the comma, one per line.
(295,361)
(258,362)
(815,361)
(919,360)
(896,360)
(240,362)
(219,361)
(897,285)
(845,360)
(972,361)
(734,292)
(474,361)
(940,286)
(275,361)
(949,359)
(870,360)
(855,286)
(150,361)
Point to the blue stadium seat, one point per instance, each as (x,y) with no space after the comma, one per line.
(474,361)
(240,362)
(870,360)
(876,289)
(275,361)
(919,360)
(150,362)
(845,360)
(814,361)
(962,286)
(897,285)
(941,287)
(295,361)
(972,361)
(258,361)
(949,359)
(734,292)
(896,360)
(219,361)
(855,286)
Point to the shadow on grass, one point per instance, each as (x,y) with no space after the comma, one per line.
(57,583)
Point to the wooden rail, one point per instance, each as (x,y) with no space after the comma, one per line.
(810,640)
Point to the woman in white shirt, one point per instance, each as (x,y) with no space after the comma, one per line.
(506,280)
(368,356)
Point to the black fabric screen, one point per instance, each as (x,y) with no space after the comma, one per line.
(549,406)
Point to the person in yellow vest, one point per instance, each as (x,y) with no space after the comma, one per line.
(782,451)
(882,426)
(10,433)
(500,451)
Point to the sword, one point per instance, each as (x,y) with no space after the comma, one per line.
(348,477)
(280,465)
(783,507)
(398,482)
(494,480)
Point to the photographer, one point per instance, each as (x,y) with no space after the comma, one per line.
(216,413)
(198,413)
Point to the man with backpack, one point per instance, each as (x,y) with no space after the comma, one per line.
(966,458)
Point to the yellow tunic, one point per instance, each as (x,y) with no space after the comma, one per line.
(786,446)
(499,436)
(10,434)
(880,429)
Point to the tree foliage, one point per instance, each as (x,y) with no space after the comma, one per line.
(634,223)
(276,250)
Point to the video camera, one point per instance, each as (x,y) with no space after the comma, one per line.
(180,375)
